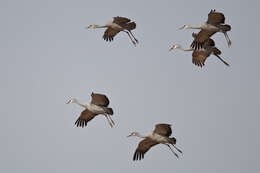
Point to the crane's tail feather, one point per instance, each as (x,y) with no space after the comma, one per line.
(130,26)
(109,111)
(225,28)
(172,140)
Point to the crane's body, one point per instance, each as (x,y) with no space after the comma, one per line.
(158,138)
(160,135)
(114,26)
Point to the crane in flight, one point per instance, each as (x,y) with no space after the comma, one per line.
(114,27)
(160,135)
(98,105)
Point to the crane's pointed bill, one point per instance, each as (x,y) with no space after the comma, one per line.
(173,47)
(69,101)
(182,27)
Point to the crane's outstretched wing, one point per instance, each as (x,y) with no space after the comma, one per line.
(200,38)
(142,148)
(208,43)
(125,23)
(215,18)
(84,118)
(199,58)
(121,20)
(163,129)
(109,34)
(99,99)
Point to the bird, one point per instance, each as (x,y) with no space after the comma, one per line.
(114,27)
(98,105)
(199,56)
(215,23)
(160,135)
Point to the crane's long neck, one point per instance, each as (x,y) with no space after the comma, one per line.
(140,136)
(80,104)
(194,27)
(185,49)
(100,26)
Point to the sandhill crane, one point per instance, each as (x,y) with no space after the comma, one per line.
(115,26)
(199,56)
(215,23)
(98,105)
(160,135)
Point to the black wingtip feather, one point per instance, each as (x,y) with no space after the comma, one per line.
(81,123)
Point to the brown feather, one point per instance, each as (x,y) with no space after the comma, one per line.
(121,20)
(199,57)
(130,26)
(215,18)
(163,129)
(143,147)
(99,99)
(225,28)
(200,38)
(84,118)
(109,34)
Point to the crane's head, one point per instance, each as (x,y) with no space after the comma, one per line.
(92,26)
(176,46)
(72,101)
(133,134)
(184,27)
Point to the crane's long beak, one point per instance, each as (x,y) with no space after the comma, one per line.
(171,48)
(87,27)
(68,102)
(129,135)
(182,27)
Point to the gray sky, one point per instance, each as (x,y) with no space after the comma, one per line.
(48,57)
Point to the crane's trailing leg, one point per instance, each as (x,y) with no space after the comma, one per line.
(111,125)
(177,148)
(172,150)
(222,60)
(227,38)
(133,37)
(109,116)
(130,38)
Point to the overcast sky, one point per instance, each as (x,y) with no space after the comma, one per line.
(48,57)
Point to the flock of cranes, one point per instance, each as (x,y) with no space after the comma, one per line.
(202,46)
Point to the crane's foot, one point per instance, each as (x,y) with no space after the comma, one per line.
(179,150)
(229,43)
(111,125)
(176,155)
